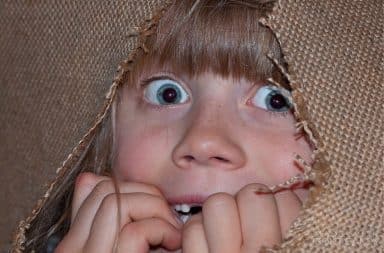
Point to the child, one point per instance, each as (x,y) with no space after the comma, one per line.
(194,123)
(200,131)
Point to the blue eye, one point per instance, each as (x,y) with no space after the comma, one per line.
(165,92)
(272,98)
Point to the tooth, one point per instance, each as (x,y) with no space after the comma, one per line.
(185,208)
(177,207)
(184,218)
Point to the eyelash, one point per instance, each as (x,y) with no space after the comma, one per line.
(145,82)
(279,114)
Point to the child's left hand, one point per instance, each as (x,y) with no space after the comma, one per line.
(241,223)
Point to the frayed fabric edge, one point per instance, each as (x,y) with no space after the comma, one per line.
(19,237)
(316,173)
(24,225)
(319,171)
(309,172)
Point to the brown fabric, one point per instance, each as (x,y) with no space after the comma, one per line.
(57,60)
(69,52)
(335,54)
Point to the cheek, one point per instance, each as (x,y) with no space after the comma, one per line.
(140,153)
(274,154)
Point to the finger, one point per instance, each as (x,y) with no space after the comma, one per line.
(81,226)
(194,240)
(222,224)
(74,239)
(100,186)
(84,185)
(134,207)
(302,193)
(259,218)
(139,236)
(289,206)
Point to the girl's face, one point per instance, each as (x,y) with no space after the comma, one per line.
(195,136)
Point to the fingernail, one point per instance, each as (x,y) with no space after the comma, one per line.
(262,189)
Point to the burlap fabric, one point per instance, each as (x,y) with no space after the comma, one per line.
(335,54)
(58,59)
(57,62)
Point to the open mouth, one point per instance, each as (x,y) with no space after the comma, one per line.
(185,211)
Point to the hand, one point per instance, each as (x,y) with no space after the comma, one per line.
(241,224)
(146,218)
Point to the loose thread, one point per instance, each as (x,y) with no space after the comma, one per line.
(274,82)
(295,180)
(303,165)
(279,66)
(303,125)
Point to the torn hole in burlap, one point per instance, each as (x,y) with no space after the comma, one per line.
(311,173)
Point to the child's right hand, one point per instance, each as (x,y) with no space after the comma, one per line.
(146,218)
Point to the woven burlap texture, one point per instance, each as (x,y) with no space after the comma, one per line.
(335,63)
(334,51)
(57,61)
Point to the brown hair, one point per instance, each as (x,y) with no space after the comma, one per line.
(53,221)
(224,37)
(192,37)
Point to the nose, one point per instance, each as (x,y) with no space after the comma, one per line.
(208,146)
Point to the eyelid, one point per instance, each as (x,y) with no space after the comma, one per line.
(146,82)
(266,85)
(165,75)
(253,89)
(258,86)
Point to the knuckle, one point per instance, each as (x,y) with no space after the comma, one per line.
(109,203)
(154,190)
(132,233)
(103,187)
(162,204)
(85,179)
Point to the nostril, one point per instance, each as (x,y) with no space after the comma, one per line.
(189,158)
(221,159)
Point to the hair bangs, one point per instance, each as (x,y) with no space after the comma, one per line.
(224,37)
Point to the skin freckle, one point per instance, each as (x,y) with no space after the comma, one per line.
(222,145)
